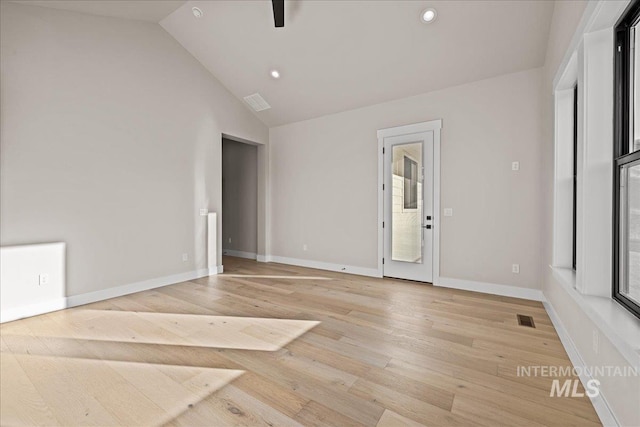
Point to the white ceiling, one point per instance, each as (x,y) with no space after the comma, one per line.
(338,55)
(142,10)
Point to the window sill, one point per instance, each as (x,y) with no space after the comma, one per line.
(615,322)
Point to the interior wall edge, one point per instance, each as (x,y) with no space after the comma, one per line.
(604,411)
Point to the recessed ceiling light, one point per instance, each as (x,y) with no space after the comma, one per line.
(197,12)
(275,74)
(428,15)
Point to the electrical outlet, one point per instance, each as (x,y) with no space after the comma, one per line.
(515,268)
(43,279)
(595,341)
(229,239)
(204,212)
(185,257)
(448,211)
(304,247)
(515,166)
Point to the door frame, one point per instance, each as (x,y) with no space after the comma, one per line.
(263,249)
(435,126)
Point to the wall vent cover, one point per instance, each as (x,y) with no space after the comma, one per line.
(257,102)
(525,321)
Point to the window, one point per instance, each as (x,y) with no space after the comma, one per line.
(626,156)
(410,183)
(575,174)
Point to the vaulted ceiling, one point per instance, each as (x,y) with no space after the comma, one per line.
(140,10)
(338,55)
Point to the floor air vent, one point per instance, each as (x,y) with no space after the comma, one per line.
(525,321)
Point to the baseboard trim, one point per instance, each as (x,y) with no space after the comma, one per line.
(263,258)
(341,268)
(104,294)
(599,402)
(239,254)
(491,288)
(8,315)
(131,288)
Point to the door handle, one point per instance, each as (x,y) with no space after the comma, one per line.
(427,226)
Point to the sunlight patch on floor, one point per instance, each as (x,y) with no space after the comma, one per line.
(44,390)
(244,333)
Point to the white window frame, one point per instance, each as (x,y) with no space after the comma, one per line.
(589,61)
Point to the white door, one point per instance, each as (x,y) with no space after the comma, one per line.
(408,206)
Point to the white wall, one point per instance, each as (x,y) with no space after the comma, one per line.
(111,142)
(324,185)
(622,394)
(239,197)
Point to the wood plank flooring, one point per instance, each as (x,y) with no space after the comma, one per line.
(276,345)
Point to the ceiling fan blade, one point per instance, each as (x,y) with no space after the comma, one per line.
(278,12)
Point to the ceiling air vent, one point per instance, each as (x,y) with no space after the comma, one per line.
(257,102)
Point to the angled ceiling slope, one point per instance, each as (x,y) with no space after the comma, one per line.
(339,55)
(141,10)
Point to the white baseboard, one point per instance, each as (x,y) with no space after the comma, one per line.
(104,294)
(491,288)
(239,254)
(341,268)
(599,402)
(263,258)
(7,315)
(131,288)
(216,270)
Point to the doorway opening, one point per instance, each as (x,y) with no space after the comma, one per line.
(239,199)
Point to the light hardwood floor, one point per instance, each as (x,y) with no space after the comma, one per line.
(275,345)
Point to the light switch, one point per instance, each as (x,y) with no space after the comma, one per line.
(448,211)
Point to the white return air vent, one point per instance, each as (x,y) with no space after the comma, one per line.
(257,102)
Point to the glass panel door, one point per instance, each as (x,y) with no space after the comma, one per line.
(406,213)
(408,206)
